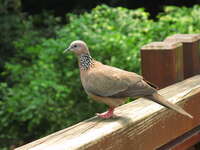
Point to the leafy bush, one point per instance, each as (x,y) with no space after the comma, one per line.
(14,25)
(44,93)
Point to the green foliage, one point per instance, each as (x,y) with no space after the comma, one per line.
(11,27)
(176,20)
(14,25)
(43,92)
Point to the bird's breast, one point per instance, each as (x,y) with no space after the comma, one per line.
(84,75)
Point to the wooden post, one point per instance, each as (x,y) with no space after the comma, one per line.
(162,63)
(191,52)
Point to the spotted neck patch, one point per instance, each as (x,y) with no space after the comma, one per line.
(86,61)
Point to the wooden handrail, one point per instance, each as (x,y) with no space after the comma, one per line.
(140,125)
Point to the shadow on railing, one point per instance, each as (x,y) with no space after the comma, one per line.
(142,124)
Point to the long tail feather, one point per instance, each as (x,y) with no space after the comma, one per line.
(162,101)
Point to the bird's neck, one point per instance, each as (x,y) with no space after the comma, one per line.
(85,61)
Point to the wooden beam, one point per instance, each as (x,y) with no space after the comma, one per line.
(191,52)
(162,63)
(140,125)
(188,143)
(184,142)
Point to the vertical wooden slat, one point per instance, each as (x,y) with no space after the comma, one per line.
(191,52)
(162,63)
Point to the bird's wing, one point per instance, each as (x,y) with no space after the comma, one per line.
(138,89)
(111,81)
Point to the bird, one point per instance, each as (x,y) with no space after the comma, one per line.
(113,86)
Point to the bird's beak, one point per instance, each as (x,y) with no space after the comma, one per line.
(66,50)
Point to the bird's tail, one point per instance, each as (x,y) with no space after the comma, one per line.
(162,101)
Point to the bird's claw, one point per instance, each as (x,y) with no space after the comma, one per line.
(105,115)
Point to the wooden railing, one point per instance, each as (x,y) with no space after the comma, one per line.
(142,124)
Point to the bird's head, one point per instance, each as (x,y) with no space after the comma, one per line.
(78,47)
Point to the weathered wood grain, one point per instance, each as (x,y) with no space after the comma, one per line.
(191,52)
(140,125)
(162,63)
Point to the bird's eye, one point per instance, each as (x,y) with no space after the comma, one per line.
(75,45)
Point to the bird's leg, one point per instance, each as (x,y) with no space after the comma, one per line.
(107,114)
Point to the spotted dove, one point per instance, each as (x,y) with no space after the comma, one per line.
(113,86)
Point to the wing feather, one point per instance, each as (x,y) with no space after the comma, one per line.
(109,81)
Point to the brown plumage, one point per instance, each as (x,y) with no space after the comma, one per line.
(113,86)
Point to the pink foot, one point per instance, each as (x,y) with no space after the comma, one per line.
(107,114)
